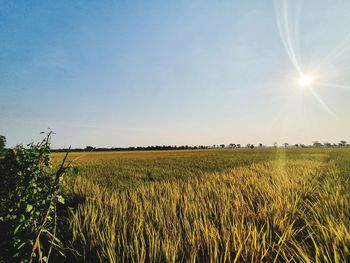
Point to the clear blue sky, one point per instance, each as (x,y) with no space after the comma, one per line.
(128,73)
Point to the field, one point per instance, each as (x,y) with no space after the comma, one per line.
(241,205)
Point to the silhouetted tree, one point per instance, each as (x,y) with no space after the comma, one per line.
(327,144)
(89,148)
(342,143)
(317,144)
(2,144)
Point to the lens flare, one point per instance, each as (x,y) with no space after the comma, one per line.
(288,18)
(305,80)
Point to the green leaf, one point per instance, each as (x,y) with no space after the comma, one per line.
(16,229)
(60,199)
(29,208)
(21,245)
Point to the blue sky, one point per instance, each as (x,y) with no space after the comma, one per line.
(128,73)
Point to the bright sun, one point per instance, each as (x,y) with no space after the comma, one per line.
(305,80)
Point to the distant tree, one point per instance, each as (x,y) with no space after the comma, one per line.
(232,145)
(317,144)
(222,146)
(2,144)
(296,145)
(275,144)
(327,144)
(286,144)
(342,143)
(238,145)
(248,145)
(260,145)
(89,148)
(252,146)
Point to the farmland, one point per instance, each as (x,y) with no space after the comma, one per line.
(209,205)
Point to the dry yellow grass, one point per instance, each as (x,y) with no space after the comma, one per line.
(82,157)
(293,210)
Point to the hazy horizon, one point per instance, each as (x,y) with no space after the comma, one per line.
(120,74)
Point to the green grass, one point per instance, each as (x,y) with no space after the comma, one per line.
(211,205)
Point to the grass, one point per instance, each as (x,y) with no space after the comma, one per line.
(268,205)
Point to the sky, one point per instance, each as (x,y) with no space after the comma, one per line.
(138,73)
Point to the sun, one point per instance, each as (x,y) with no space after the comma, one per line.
(305,80)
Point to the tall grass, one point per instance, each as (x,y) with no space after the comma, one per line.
(270,211)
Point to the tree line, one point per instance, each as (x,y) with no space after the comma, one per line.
(315,144)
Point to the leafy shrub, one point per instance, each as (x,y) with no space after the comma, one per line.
(2,144)
(29,193)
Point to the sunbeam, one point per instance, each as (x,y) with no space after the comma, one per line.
(285,33)
(323,104)
(335,53)
(331,85)
(290,43)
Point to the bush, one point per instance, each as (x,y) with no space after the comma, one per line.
(29,193)
(2,144)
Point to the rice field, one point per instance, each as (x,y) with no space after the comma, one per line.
(241,205)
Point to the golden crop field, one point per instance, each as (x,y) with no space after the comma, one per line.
(242,205)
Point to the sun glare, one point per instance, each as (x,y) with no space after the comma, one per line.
(305,80)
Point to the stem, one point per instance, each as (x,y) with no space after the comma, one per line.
(52,192)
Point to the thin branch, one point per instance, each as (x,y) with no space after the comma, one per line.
(54,234)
